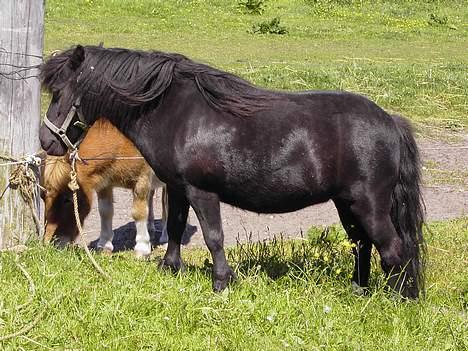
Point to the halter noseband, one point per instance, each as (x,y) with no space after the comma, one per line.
(62,131)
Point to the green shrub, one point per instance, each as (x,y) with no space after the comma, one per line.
(252,6)
(436,20)
(269,27)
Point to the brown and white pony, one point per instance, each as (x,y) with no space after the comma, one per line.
(109,160)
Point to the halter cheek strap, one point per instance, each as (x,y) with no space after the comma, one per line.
(62,131)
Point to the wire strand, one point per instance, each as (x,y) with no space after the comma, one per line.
(5,51)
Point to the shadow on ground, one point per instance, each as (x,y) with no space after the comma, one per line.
(124,236)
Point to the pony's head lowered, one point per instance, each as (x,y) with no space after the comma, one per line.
(59,76)
(60,224)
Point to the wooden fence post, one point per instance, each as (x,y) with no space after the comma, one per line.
(21,44)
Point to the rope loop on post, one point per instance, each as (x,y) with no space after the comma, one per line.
(25,178)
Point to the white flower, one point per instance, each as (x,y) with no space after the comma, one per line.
(271,317)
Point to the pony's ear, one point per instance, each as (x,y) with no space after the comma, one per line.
(77,57)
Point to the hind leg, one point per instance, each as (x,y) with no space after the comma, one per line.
(374,216)
(178,206)
(362,250)
(106,212)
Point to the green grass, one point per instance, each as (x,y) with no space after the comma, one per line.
(409,56)
(392,51)
(283,300)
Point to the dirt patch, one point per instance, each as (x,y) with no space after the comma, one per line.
(443,201)
(445,164)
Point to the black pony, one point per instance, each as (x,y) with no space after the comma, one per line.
(211,137)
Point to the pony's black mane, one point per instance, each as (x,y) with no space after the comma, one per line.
(132,79)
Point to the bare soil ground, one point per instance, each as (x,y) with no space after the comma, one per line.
(445,196)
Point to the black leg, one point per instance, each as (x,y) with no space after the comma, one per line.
(362,250)
(373,213)
(362,265)
(206,206)
(176,222)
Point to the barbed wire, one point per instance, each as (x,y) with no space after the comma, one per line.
(18,72)
(21,73)
(5,51)
(20,78)
(18,66)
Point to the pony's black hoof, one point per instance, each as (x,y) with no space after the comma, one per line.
(220,283)
(173,266)
(359,290)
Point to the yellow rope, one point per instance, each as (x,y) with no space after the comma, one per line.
(31,325)
(32,294)
(74,187)
(32,287)
(26,328)
(24,179)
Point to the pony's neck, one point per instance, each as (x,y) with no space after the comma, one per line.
(111,109)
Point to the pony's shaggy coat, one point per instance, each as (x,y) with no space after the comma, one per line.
(212,136)
(110,160)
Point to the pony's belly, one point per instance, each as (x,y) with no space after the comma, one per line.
(273,203)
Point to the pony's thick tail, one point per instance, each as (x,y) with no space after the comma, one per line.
(408,212)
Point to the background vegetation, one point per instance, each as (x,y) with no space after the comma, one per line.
(408,56)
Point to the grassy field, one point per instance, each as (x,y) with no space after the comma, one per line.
(290,296)
(409,56)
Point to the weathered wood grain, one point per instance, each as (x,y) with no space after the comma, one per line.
(21,43)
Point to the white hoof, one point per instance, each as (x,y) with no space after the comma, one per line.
(142,250)
(105,246)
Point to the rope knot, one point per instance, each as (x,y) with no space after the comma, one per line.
(73,185)
(24,179)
